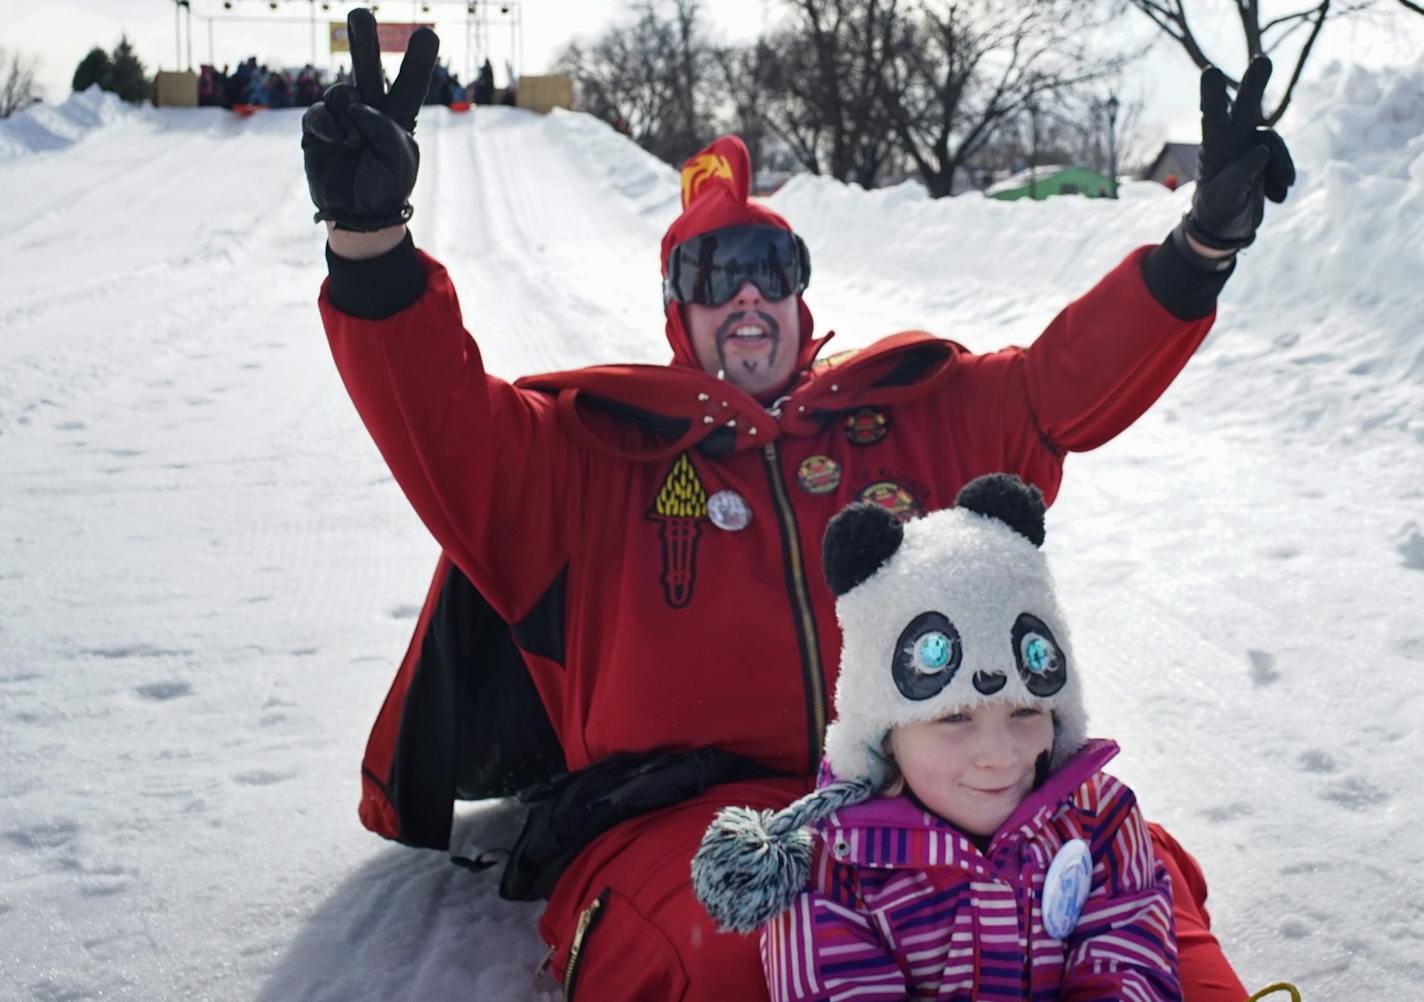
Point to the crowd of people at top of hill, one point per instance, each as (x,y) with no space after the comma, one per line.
(259,86)
(256,85)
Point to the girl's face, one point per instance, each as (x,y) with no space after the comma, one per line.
(973,767)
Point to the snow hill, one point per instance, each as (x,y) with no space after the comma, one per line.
(207,575)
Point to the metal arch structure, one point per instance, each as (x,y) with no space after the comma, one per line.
(482,19)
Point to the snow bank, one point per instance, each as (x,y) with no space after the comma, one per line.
(627,170)
(44,127)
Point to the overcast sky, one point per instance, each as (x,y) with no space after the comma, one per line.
(60,32)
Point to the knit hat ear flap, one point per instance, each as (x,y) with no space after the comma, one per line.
(751,864)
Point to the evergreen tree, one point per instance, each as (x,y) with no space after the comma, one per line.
(92,69)
(127,76)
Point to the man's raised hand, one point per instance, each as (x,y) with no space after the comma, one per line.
(358,142)
(1239,164)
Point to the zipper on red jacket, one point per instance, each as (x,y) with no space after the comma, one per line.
(586,920)
(800,592)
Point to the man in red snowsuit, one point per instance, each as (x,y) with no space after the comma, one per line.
(648,537)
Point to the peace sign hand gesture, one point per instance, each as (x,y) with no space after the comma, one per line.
(1239,163)
(358,142)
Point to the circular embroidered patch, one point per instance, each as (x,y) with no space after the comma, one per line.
(729,510)
(819,475)
(893,498)
(867,426)
(1070,877)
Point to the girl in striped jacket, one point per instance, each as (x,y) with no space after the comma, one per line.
(962,842)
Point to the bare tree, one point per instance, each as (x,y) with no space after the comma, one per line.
(1173,18)
(1076,131)
(647,75)
(744,75)
(975,67)
(828,80)
(18,89)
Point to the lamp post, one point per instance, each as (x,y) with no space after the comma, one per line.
(1112,145)
(1033,151)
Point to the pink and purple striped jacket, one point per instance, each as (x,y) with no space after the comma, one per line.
(902,906)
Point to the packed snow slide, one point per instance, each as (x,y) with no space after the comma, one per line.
(207,575)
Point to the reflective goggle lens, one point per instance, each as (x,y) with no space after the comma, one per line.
(709,268)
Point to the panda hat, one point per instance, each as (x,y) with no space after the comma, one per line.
(947,612)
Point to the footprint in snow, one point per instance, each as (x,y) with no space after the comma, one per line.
(1409,541)
(404,612)
(1296,928)
(139,650)
(104,881)
(1318,761)
(71,426)
(261,777)
(1355,794)
(1263,668)
(1227,812)
(24,676)
(52,989)
(43,835)
(161,692)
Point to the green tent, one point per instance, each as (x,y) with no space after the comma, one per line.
(1040,182)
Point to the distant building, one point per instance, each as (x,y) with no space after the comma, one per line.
(1050,179)
(1177,161)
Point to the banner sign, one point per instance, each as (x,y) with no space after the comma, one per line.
(392,35)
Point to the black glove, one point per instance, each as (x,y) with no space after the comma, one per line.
(1239,165)
(358,142)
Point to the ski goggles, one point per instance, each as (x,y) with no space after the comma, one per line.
(709,268)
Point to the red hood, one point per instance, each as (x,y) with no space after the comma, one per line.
(716,193)
(650,412)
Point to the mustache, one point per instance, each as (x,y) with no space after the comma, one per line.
(735,319)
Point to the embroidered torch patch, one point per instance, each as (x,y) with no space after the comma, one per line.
(679,508)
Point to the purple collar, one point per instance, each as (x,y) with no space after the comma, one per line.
(894,831)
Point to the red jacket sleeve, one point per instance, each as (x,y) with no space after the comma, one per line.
(1096,368)
(484,464)
(1105,359)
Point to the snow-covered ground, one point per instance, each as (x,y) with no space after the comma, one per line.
(206,574)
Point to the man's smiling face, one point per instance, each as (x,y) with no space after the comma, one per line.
(751,340)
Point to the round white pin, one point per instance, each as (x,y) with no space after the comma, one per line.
(729,510)
(1065,889)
